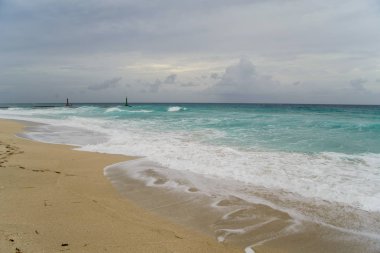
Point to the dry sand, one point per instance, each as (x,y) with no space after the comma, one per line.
(56,199)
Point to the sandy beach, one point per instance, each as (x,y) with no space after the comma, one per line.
(56,199)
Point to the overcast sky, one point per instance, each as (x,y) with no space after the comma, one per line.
(282,51)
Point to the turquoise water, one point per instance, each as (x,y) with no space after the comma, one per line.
(325,152)
(292,128)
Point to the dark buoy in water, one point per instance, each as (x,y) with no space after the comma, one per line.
(67,102)
(126,101)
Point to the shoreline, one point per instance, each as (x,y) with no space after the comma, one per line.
(257,226)
(237,224)
(56,198)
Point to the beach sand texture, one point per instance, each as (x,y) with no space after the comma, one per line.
(55,199)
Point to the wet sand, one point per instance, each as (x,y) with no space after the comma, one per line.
(216,207)
(55,199)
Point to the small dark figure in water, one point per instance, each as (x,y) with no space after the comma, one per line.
(67,102)
(126,102)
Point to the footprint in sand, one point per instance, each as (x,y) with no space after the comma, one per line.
(38,170)
(193,189)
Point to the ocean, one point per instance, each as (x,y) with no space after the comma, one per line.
(294,158)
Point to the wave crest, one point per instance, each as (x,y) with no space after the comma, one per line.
(176,109)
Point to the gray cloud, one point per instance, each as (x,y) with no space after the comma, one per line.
(358,84)
(297,83)
(170,79)
(111,83)
(240,82)
(189,26)
(323,43)
(214,76)
(154,87)
(189,84)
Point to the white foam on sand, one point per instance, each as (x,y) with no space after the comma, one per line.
(331,215)
(249,250)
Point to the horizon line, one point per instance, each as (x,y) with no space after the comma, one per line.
(253,103)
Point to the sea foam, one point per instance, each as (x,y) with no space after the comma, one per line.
(347,178)
(176,109)
(336,177)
